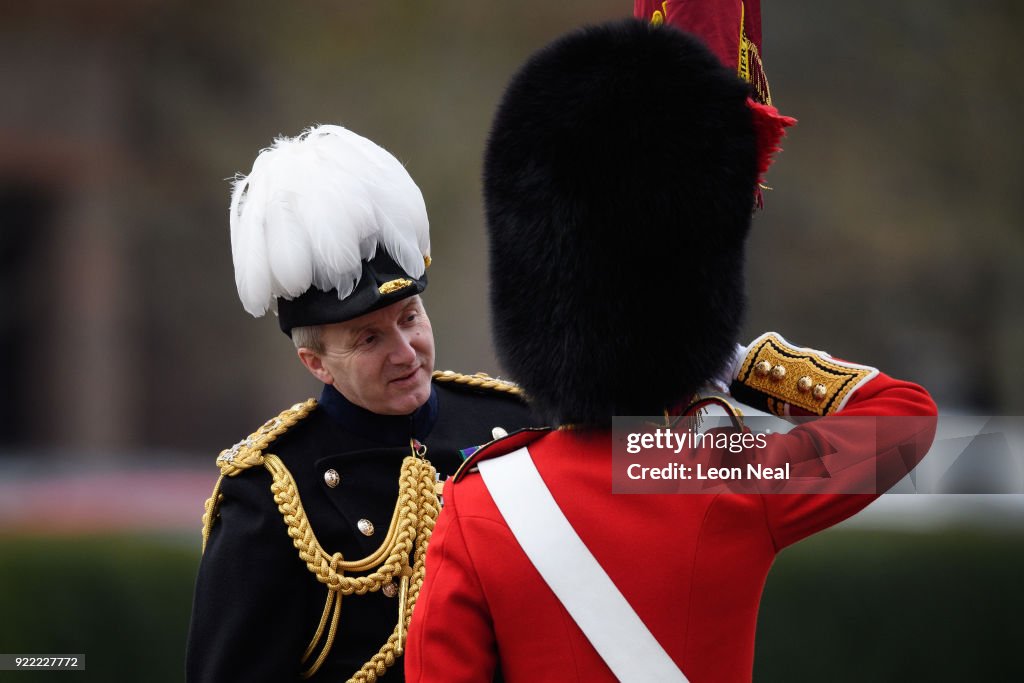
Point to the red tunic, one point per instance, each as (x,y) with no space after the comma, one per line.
(692,566)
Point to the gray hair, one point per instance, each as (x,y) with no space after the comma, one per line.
(309,336)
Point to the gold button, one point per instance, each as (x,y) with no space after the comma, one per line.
(365,526)
(804,384)
(819,391)
(390,590)
(332,478)
(763,368)
(778,372)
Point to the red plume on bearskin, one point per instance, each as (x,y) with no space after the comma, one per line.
(770,127)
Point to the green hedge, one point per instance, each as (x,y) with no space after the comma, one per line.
(123,601)
(843,606)
(867,606)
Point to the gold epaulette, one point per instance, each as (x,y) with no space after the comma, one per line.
(478,380)
(249,451)
(777,376)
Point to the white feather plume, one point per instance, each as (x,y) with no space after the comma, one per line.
(313,208)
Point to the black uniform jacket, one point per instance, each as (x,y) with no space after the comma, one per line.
(256,605)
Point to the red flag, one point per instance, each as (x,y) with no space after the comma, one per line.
(732,31)
(730,28)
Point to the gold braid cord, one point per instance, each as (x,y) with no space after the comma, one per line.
(408,534)
(478,380)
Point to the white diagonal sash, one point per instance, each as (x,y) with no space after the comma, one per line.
(573,574)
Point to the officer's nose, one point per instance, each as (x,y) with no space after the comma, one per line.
(403,352)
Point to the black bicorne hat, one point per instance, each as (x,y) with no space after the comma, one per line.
(382,283)
(618,182)
(326,227)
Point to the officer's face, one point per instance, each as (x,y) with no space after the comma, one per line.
(383,360)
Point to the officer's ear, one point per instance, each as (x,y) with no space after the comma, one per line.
(311,359)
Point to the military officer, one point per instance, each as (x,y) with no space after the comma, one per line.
(620,179)
(315,533)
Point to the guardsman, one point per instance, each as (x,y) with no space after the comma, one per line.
(620,179)
(315,534)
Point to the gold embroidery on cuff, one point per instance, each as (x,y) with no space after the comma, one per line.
(807,380)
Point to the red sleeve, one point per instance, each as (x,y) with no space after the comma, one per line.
(451,637)
(892,448)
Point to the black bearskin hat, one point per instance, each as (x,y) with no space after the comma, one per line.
(619,182)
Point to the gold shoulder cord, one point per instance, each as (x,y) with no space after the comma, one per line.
(478,380)
(408,534)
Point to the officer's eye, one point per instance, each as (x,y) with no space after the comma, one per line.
(368,340)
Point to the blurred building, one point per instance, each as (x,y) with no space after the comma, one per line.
(892,235)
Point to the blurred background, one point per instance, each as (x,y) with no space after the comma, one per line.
(892,236)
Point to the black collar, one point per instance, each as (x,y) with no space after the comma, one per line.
(388,430)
